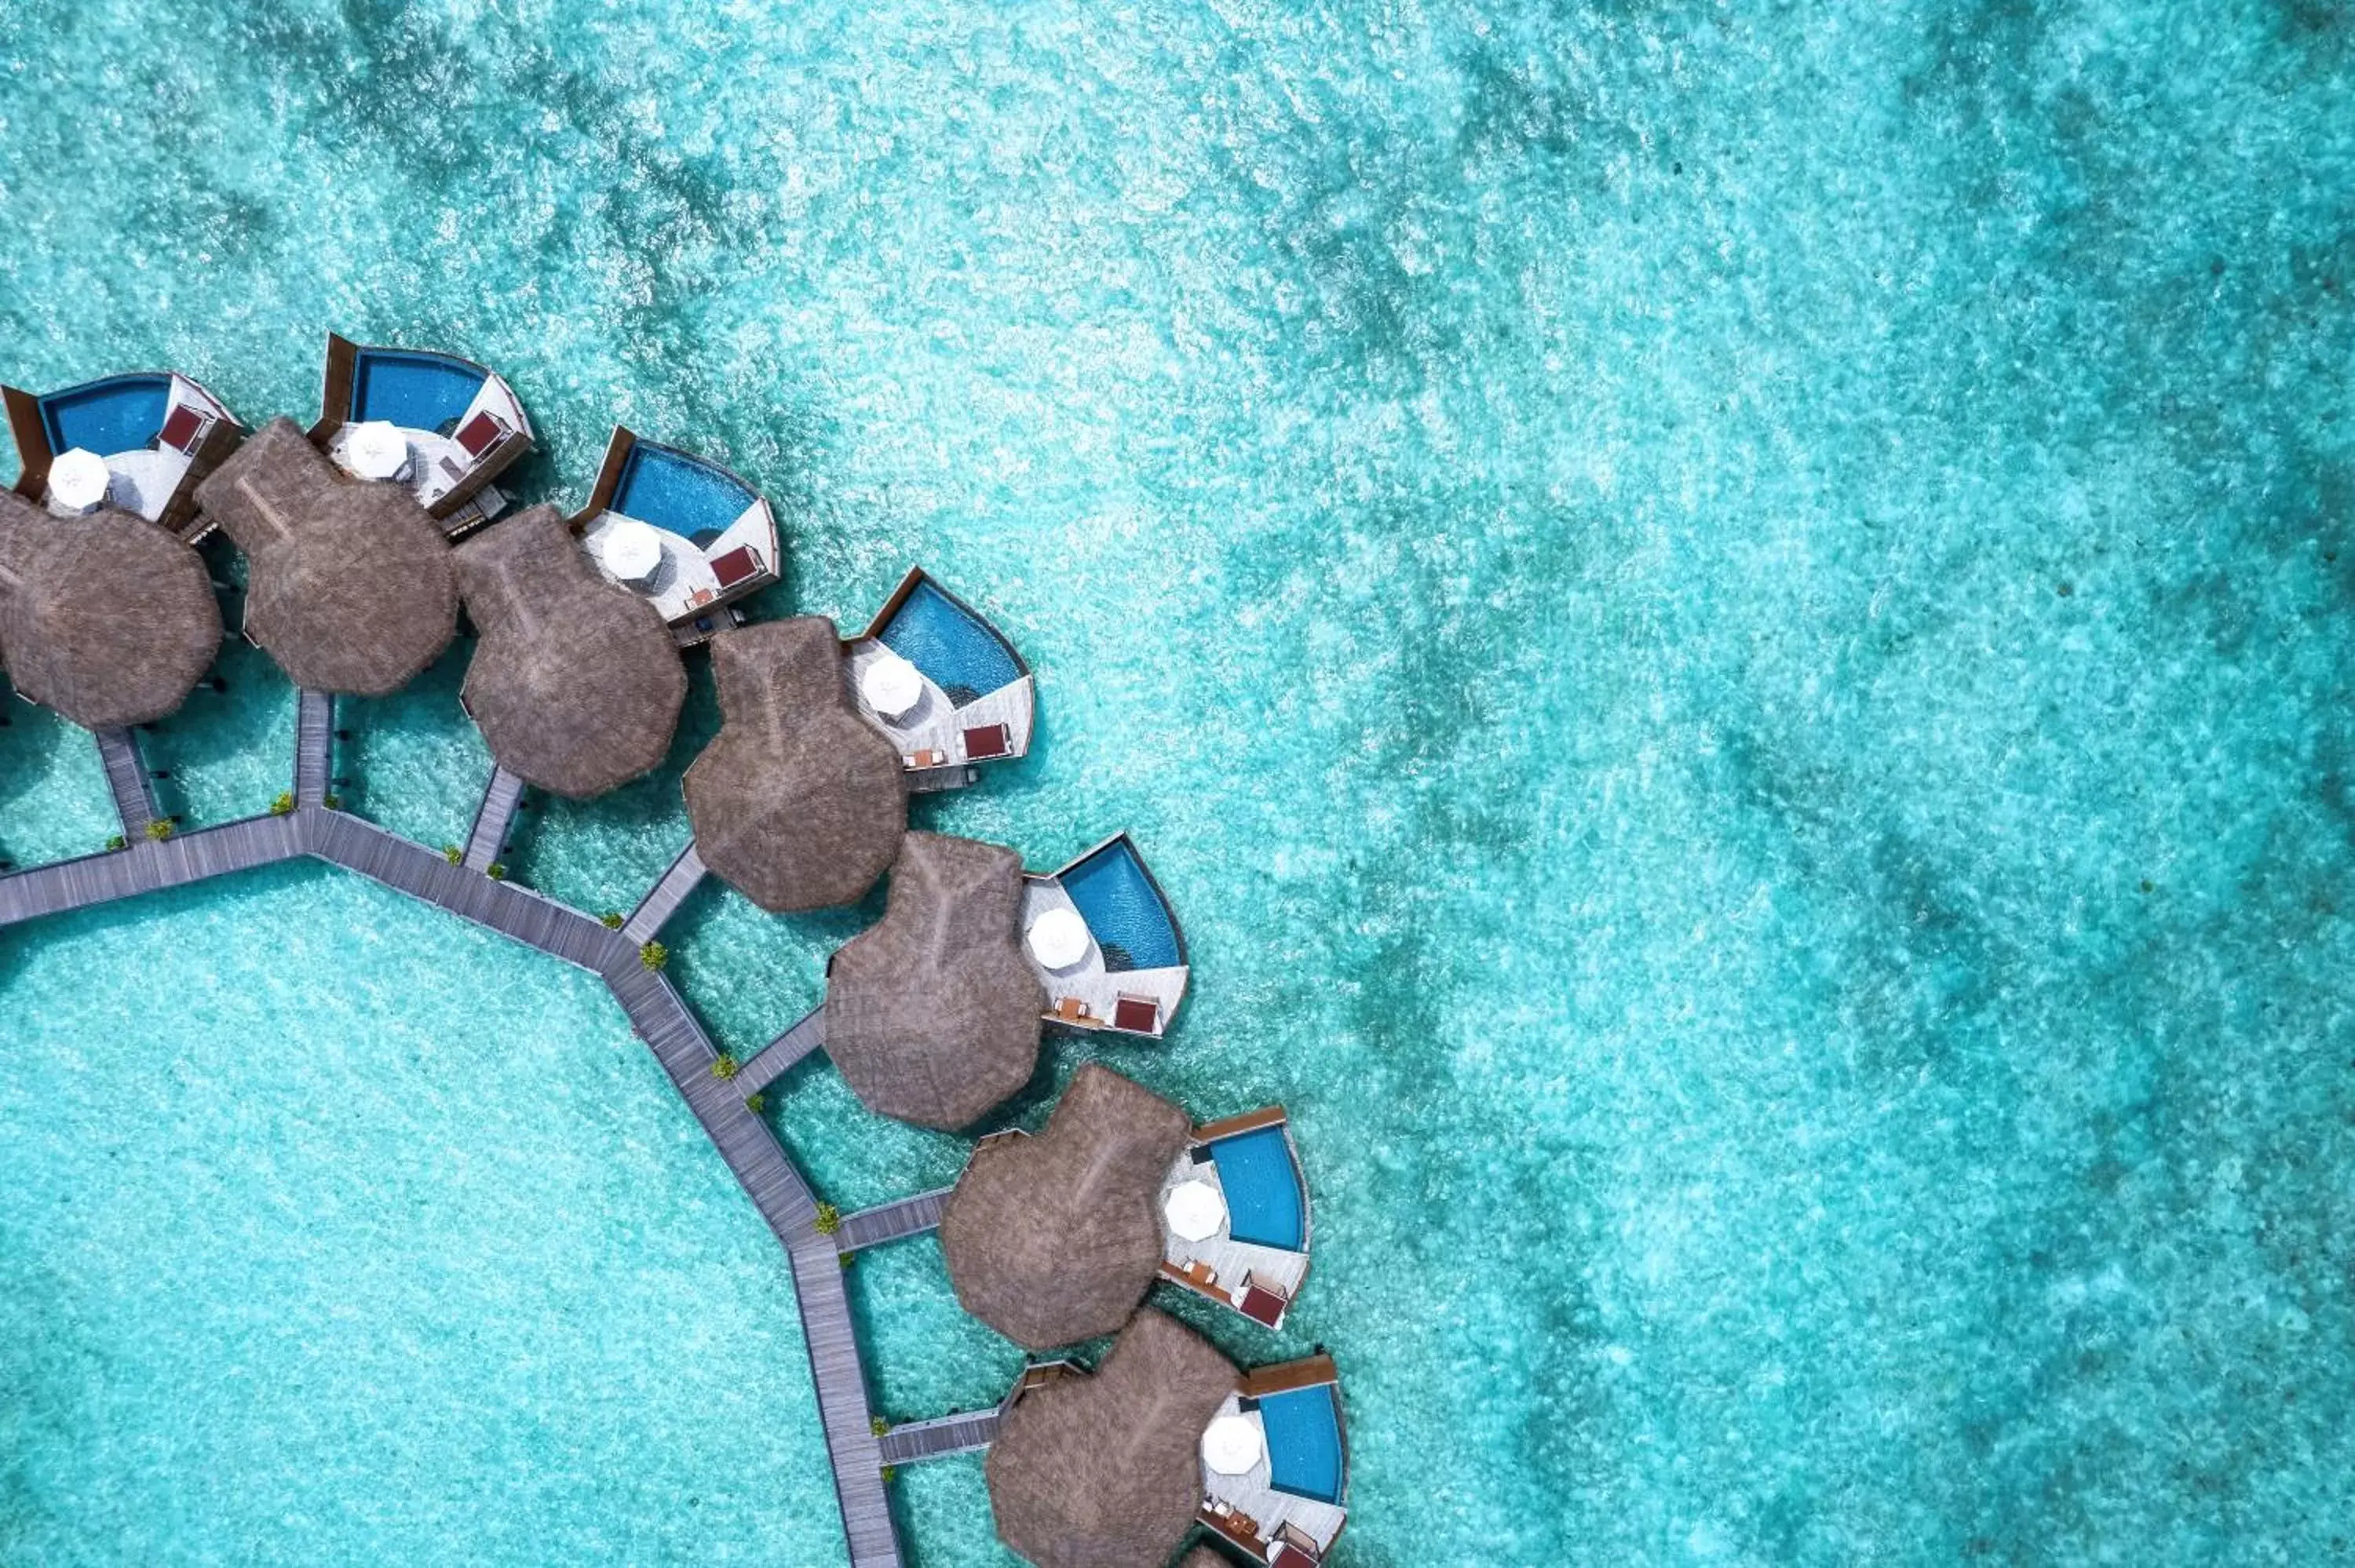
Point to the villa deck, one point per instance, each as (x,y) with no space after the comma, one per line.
(158,431)
(1290,1505)
(681,531)
(1133,975)
(974,699)
(460,424)
(1257,1260)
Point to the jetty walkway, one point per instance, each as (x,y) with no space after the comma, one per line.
(656,1012)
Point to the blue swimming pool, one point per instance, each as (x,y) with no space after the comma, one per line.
(1303,1442)
(1124,910)
(954,648)
(680,494)
(120,414)
(1263,1188)
(418,391)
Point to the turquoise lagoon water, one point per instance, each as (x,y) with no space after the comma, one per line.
(1730,632)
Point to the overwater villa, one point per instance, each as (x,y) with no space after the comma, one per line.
(942,683)
(932,1013)
(104,619)
(1234,1211)
(1275,1463)
(349,586)
(797,803)
(1105,943)
(138,441)
(681,530)
(1055,1238)
(1088,1470)
(575,683)
(443,426)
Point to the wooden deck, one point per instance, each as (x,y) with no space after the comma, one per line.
(314,748)
(656,1012)
(940,1437)
(909,1216)
(487,840)
(127,782)
(775,1059)
(662,901)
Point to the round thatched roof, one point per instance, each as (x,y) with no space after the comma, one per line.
(351,588)
(576,682)
(933,1012)
(798,803)
(106,619)
(1203,1557)
(1054,1239)
(1090,1471)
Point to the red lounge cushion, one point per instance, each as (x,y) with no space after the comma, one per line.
(182,428)
(480,433)
(1263,1306)
(990,740)
(739,565)
(1128,1013)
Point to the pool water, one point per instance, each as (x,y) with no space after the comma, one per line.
(1124,910)
(1303,1443)
(415,391)
(678,493)
(1728,626)
(1262,1187)
(955,651)
(119,414)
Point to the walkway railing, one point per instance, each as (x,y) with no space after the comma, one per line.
(775,1059)
(940,1437)
(663,900)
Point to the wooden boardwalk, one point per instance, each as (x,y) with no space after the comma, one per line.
(775,1059)
(662,901)
(889,1221)
(940,1437)
(502,797)
(314,748)
(656,1013)
(127,782)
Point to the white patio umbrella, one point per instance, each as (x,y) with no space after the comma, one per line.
(377,450)
(891,686)
(1058,939)
(1231,1444)
(632,551)
(79,480)
(1194,1210)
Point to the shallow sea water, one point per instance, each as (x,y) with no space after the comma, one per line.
(1730,632)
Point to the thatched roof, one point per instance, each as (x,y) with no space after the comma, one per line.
(798,803)
(1055,1238)
(933,1012)
(351,588)
(1203,1557)
(106,619)
(1088,1472)
(576,682)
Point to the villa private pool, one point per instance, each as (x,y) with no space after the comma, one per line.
(1124,909)
(955,650)
(415,391)
(679,495)
(1262,1189)
(1303,1442)
(119,414)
